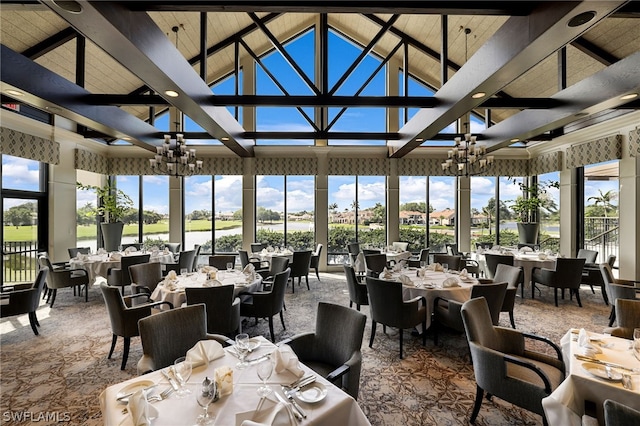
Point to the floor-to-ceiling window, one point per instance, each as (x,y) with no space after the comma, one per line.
(24,217)
(155,210)
(550,214)
(86,215)
(601,226)
(507,225)
(414,210)
(130,185)
(198,212)
(483,209)
(442,219)
(227,204)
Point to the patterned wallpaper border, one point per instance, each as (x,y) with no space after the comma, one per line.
(289,166)
(634,142)
(596,151)
(23,145)
(546,163)
(91,162)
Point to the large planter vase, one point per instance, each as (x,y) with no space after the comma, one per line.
(112,235)
(528,232)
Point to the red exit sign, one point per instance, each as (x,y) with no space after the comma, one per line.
(15,107)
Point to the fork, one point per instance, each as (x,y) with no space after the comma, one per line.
(164,395)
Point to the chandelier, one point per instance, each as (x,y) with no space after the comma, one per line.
(175,159)
(466,158)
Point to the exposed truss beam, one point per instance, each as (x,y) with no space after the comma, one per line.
(517,46)
(50,43)
(48,91)
(597,53)
(134,40)
(599,92)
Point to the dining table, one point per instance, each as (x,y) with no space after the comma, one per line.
(587,384)
(430,286)
(331,406)
(176,295)
(98,265)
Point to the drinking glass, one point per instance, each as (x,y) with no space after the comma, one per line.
(636,342)
(242,348)
(182,370)
(229,266)
(445,267)
(265,368)
(205,397)
(183,271)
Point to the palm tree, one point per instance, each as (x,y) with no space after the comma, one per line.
(605,199)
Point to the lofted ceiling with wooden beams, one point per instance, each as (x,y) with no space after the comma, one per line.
(545,68)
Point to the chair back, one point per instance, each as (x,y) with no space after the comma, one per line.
(385,301)
(424,255)
(196,257)
(38,285)
(220,261)
(484,246)
(223,316)
(569,272)
(616,413)
(278,264)
(400,245)
(244,258)
(257,247)
(73,251)
(276,302)
(478,324)
(353,248)
(512,275)
(186,259)
(494,295)
(375,264)
(145,275)
(627,317)
(614,290)
(25,300)
(56,278)
(452,249)
(168,335)
(454,261)
(611,260)
(493,260)
(368,252)
(173,247)
(301,263)
(530,245)
(115,308)
(589,256)
(126,262)
(315,257)
(357,292)
(137,246)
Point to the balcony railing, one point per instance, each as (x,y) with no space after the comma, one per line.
(19,261)
(602,235)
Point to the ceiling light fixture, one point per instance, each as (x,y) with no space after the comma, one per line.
(581,19)
(515,140)
(171,93)
(628,96)
(478,95)
(12,92)
(466,159)
(70,6)
(175,159)
(224,139)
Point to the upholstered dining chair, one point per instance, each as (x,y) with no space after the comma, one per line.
(472,266)
(589,256)
(400,245)
(617,289)
(416,262)
(124,317)
(357,291)
(121,277)
(591,275)
(220,261)
(354,251)
(266,304)
(388,307)
(62,278)
(24,299)
(493,260)
(503,367)
(168,335)
(245,260)
(145,277)
(74,251)
(299,265)
(454,261)
(315,260)
(196,256)
(278,264)
(616,414)
(185,261)
(513,276)
(567,275)
(628,318)
(446,313)
(375,264)
(223,308)
(257,247)
(333,350)
(174,248)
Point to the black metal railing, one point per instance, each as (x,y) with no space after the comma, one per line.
(20,261)
(602,235)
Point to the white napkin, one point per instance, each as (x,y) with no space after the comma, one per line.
(140,410)
(542,256)
(385,273)
(450,282)
(274,414)
(286,359)
(480,250)
(223,377)
(464,274)
(398,267)
(359,265)
(526,249)
(115,256)
(204,351)
(405,280)
(495,247)
(249,278)
(101,251)
(211,283)
(249,269)
(166,251)
(129,250)
(170,285)
(435,267)
(171,276)
(263,252)
(584,344)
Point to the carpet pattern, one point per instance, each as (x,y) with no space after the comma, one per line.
(61,372)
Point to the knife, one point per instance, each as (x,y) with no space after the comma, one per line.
(255,360)
(301,384)
(597,361)
(289,396)
(120,398)
(289,407)
(172,382)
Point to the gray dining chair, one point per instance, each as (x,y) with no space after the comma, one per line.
(223,308)
(357,291)
(22,299)
(617,289)
(121,277)
(567,275)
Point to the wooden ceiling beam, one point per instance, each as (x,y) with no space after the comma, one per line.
(50,43)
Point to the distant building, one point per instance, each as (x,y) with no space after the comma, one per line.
(446,217)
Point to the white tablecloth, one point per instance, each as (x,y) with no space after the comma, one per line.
(178,296)
(338,408)
(97,265)
(565,406)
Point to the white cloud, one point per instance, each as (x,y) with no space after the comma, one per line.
(20,173)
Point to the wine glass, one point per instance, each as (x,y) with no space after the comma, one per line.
(183,271)
(265,368)
(229,266)
(205,397)
(182,370)
(445,267)
(636,342)
(242,348)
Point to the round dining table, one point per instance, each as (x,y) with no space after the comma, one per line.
(98,265)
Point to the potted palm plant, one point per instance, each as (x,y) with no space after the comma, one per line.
(112,207)
(527,206)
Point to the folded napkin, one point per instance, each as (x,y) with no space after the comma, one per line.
(101,251)
(170,285)
(166,251)
(140,410)
(435,267)
(542,256)
(584,344)
(405,280)
(526,249)
(450,282)
(171,276)
(115,256)
(249,278)
(211,283)
(249,269)
(495,247)
(464,274)
(398,266)
(263,252)
(270,414)
(204,351)
(480,250)
(223,377)
(359,264)
(385,274)
(129,250)
(286,359)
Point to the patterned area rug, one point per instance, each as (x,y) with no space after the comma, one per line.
(61,372)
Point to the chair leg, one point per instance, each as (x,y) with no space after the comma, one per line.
(113,345)
(86,292)
(306,278)
(400,333)
(273,339)
(351,304)
(578,297)
(125,353)
(424,333)
(317,274)
(373,333)
(513,323)
(477,404)
(604,294)
(592,290)
(612,316)
(555,295)
(53,296)
(282,321)
(33,320)
(358,308)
